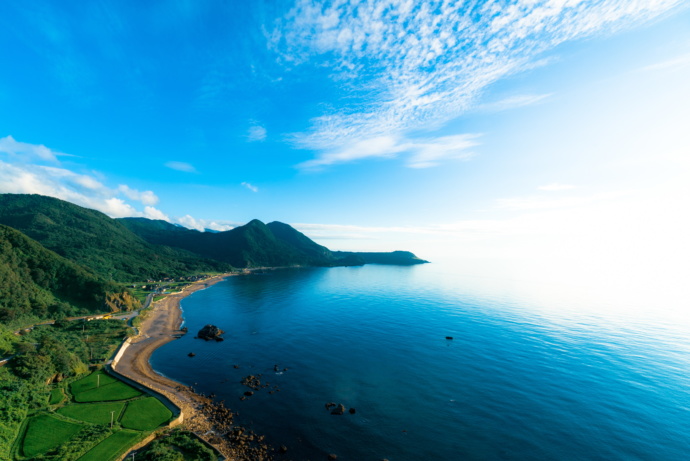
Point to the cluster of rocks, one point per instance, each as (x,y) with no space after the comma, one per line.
(338,408)
(254,383)
(209,332)
(250,446)
(242,444)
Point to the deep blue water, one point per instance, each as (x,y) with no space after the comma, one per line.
(532,372)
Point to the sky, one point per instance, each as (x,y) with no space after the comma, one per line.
(530,132)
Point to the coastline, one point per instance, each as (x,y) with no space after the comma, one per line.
(210,421)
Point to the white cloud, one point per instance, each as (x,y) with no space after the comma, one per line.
(250,187)
(181,166)
(154,213)
(554,186)
(202,224)
(410,65)
(421,153)
(27,152)
(87,190)
(117,208)
(256,133)
(146,197)
(219,226)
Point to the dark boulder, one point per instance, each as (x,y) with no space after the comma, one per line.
(339,410)
(210,332)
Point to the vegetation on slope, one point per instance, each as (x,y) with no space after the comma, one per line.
(253,245)
(93,240)
(38,284)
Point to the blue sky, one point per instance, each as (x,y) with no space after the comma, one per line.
(489,129)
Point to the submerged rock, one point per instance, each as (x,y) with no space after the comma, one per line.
(339,410)
(210,332)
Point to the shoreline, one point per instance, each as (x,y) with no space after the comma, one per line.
(208,420)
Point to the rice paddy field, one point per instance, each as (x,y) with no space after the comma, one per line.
(98,416)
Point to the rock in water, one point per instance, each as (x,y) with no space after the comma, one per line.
(339,410)
(210,332)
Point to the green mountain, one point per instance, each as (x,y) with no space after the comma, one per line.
(257,244)
(93,240)
(38,283)
(253,245)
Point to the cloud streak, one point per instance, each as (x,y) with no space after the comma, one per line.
(250,187)
(256,133)
(181,166)
(419,153)
(421,64)
(22,151)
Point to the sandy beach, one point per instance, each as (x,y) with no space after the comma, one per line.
(208,420)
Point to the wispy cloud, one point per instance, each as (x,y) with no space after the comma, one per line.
(675,63)
(425,63)
(146,197)
(554,186)
(512,102)
(181,166)
(419,153)
(22,151)
(250,187)
(256,133)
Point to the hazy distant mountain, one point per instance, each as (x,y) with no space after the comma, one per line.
(92,239)
(399,258)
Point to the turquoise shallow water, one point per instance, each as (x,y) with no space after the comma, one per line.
(530,374)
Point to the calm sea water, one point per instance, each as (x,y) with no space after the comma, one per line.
(532,372)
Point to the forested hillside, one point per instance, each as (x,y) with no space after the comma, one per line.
(95,241)
(253,245)
(37,283)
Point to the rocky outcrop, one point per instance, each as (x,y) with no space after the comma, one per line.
(339,410)
(210,332)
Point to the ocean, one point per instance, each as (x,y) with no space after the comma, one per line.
(533,370)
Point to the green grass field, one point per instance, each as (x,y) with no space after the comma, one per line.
(96,413)
(113,446)
(44,432)
(100,387)
(56,396)
(91,382)
(145,414)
